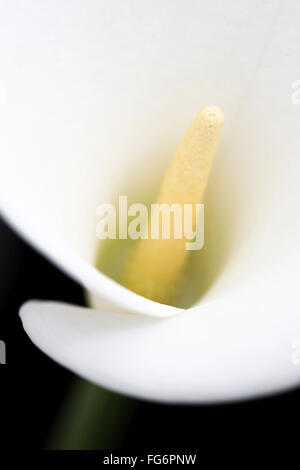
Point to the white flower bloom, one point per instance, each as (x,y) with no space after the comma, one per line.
(97,97)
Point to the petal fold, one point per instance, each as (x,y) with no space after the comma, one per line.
(189,358)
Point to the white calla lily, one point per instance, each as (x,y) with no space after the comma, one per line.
(95,98)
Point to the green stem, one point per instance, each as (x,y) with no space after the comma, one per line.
(91,418)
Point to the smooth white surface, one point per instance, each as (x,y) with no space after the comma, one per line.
(97,97)
(188,358)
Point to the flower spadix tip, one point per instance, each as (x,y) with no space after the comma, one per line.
(155,268)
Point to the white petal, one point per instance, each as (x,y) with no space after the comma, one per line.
(216,356)
(96,99)
(97,96)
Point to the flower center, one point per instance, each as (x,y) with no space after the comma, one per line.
(156,266)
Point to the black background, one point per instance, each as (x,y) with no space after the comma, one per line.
(34,388)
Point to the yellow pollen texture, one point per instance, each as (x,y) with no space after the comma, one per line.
(155,267)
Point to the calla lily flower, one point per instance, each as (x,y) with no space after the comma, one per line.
(95,97)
